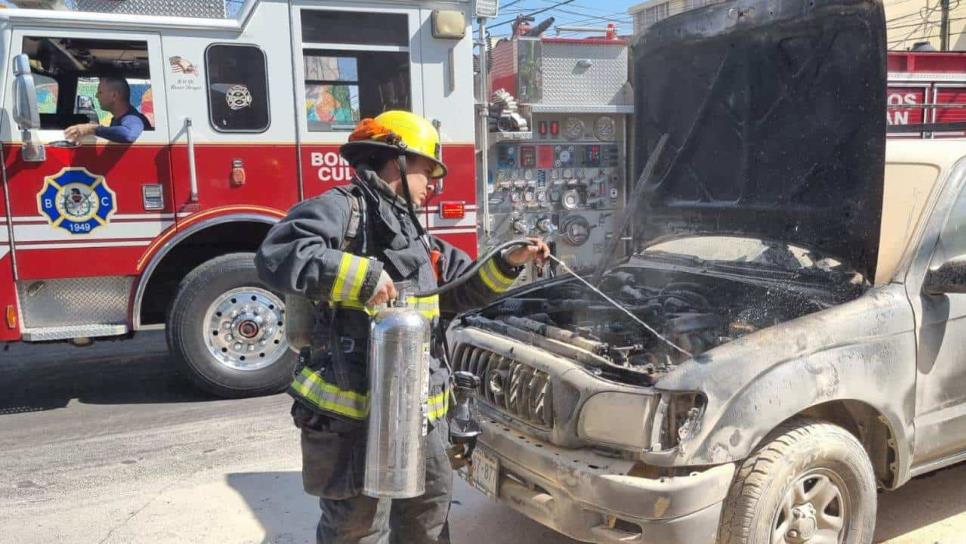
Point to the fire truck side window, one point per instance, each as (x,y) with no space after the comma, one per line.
(237,88)
(67,71)
(355,28)
(356,66)
(342,87)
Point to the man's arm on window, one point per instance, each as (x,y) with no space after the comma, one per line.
(127,132)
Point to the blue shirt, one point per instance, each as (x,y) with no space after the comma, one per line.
(124,129)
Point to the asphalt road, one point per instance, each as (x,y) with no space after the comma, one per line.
(108,445)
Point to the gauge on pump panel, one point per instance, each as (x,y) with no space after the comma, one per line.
(575,230)
(573,128)
(565,156)
(528,175)
(570,200)
(605,128)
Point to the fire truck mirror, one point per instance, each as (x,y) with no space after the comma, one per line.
(25,110)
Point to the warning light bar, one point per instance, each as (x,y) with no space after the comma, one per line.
(452,210)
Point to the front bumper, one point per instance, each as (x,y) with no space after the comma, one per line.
(589,497)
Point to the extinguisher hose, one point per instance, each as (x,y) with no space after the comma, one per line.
(473,270)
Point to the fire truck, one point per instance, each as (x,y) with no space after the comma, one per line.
(248,110)
(927,93)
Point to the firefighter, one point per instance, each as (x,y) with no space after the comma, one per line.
(345,249)
(127,123)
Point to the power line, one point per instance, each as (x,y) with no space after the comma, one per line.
(531,14)
(925,23)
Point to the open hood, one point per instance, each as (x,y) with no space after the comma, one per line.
(775,112)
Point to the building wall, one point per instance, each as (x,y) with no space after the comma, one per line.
(908,21)
(647,13)
(912,21)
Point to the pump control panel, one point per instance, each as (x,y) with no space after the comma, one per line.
(565,183)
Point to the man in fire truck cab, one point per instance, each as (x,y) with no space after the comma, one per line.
(127,123)
(344,249)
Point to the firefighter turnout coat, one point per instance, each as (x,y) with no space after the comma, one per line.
(307,254)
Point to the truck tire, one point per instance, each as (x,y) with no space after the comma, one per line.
(810,482)
(226,330)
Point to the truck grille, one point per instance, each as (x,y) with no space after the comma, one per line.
(510,386)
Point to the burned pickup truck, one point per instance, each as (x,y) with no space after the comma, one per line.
(795,336)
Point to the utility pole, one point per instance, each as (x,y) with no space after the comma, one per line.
(944,26)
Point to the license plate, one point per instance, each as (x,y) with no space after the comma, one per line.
(486,473)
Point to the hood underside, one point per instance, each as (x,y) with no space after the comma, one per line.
(775,116)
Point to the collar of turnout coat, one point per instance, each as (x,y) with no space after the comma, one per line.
(371,178)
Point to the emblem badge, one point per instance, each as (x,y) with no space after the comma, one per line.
(238,97)
(77,201)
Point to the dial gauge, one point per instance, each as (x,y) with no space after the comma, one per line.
(573,128)
(605,128)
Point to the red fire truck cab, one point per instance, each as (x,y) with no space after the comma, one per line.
(927,88)
(247,112)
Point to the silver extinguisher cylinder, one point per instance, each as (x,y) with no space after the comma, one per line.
(398,389)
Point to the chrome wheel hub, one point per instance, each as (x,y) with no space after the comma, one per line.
(245,329)
(813,511)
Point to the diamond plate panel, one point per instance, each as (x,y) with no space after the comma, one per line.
(49,334)
(575,74)
(208,9)
(74,302)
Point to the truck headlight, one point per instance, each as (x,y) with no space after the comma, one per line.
(618,419)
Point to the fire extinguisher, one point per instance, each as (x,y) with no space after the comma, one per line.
(399,354)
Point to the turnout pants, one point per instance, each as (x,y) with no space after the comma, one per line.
(333,468)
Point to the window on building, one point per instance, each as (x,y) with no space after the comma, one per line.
(68,70)
(237,88)
(370,76)
(656,13)
(639,22)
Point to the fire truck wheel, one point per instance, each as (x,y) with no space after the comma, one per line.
(226,330)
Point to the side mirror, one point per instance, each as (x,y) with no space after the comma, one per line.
(948,278)
(26,113)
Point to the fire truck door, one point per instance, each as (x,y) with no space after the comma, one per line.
(351,64)
(237,97)
(90,209)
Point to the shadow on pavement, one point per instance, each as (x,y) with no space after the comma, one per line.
(288,515)
(276,500)
(914,513)
(46,377)
(925,501)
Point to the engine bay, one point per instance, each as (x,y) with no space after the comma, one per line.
(695,312)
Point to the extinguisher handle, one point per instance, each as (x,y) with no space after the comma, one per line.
(403,290)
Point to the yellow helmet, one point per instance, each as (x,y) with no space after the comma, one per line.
(399,131)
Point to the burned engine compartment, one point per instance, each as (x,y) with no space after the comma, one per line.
(695,311)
